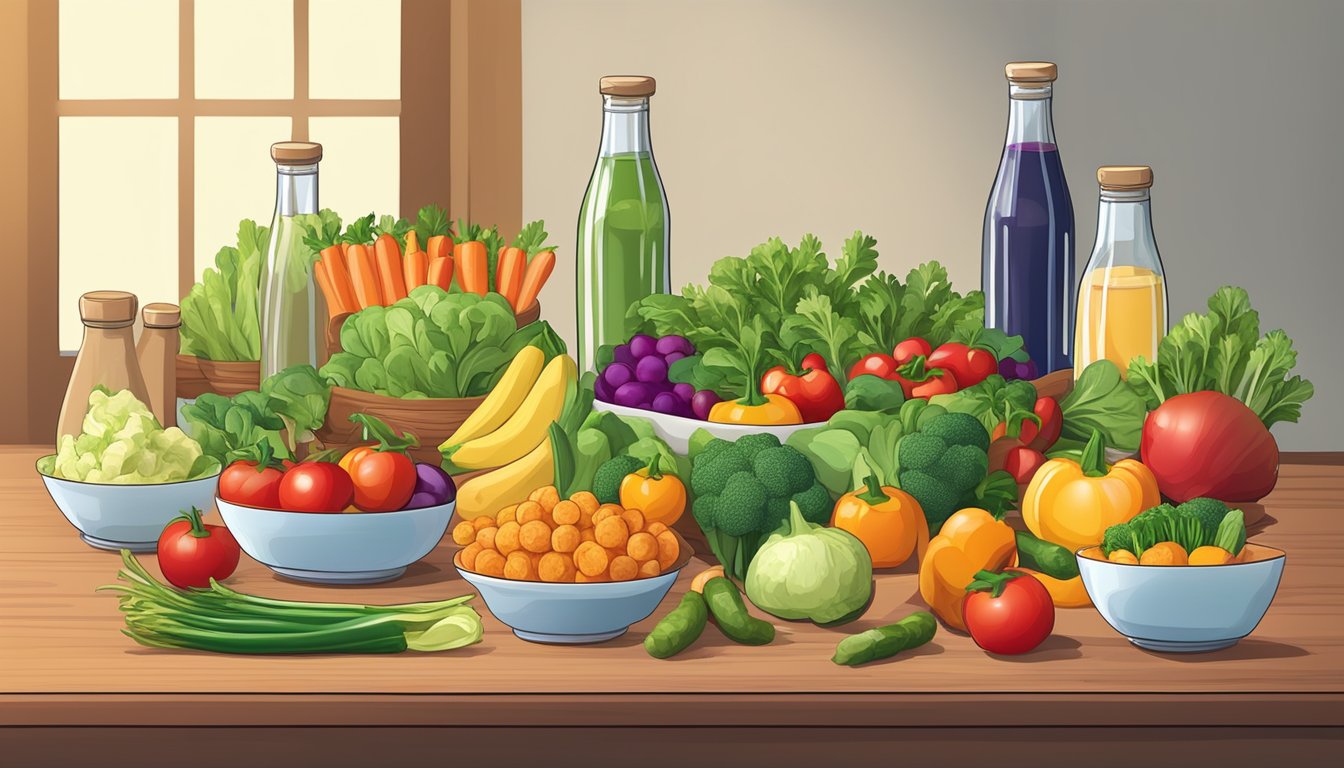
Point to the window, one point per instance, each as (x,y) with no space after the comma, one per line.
(167,109)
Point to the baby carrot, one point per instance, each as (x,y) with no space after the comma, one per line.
(416,268)
(324,282)
(438,246)
(363,277)
(412,242)
(509,274)
(471,266)
(334,265)
(441,272)
(534,278)
(387,258)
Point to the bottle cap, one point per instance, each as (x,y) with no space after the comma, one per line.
(107,309)
(161,315)
(1031,71)
(296,152)
(627,85)
(1124,177)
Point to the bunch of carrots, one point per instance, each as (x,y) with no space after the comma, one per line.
(378,266)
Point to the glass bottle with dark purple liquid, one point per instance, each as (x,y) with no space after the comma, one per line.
(1028,240)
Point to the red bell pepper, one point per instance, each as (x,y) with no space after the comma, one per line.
(910,349)
(971,365)
(1037,430)
(876,364)
(815,391)
(918,380)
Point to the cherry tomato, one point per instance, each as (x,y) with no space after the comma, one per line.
(970,365)
(815,391)
(1009,612)
(191,552)
(251,484)
(383,480)
(876,364)
(316,487)
(1022,463)
(910,349)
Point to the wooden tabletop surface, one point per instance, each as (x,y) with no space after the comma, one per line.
(64,662)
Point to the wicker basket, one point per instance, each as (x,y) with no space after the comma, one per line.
(196,376)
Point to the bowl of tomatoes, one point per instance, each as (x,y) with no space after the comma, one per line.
(356,517)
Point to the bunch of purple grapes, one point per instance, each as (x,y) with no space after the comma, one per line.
(1011,369)
(637,378)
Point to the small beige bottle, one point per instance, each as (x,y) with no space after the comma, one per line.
(106,356)
(157,354)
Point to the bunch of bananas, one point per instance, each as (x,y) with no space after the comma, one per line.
(508,433)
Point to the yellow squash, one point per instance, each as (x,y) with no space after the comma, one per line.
(971,540)
(510,484)
(1073,503)
(774,410)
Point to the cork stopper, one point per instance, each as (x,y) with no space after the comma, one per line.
(627,85)
(296,152)
(1124,177)
(1031,72)
(108,309)
(161,315)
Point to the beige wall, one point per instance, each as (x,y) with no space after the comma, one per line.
(789,117)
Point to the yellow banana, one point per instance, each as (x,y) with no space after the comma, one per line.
(503,400)
(510,484)
(526,427)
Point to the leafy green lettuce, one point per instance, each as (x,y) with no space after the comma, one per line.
(289,404)
(219,314)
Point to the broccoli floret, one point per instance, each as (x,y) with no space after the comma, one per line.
(741,508)
(814,503)
(959,429)
(607,479)
(783,471)
(935,497)
(943,465)
(750,445)
(920,451)
(1167,523)
(705,509)
(962,466)
(711,470)
(1117,537)
(1209,512)
(776,512)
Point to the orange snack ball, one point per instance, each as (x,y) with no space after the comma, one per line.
(649,570)
(624,568)
(642,546)
(586,501)
(605,511)
(612,532)
(467,557)
(508,538)
(668,549)
(655,528)
(546,496)
(587,534)
(591,559)
(566,513)
(484,521)
(486,536)
(528,511)
(490,563)
(506,514)
(535,536)
(565,538)
(555,567)
(464,533)
(518,566)
(634,520)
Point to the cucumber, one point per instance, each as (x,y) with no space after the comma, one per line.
(1047,557)
(678,629)
(730,613)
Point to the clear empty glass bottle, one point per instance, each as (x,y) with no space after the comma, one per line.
(106,356)
(623,225)
(289,323)
(156,353)
(1027,274)
(1122,299)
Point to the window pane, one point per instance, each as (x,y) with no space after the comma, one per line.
(118,210)
(244,49)
(235,178)
(360,171)
(345,64)
(118,49)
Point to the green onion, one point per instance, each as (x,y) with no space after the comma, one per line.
(222,620)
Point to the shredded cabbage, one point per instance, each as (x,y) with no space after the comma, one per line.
(122,443)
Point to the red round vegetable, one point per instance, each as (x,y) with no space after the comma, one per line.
(815,391)
(191,552)
(1008,613)
(910,349)
(876,364)
(1209,444)
(251,484)
(970,365)
(316,487)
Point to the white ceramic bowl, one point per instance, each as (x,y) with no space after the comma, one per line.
(676,431)
(111,516)
(574,613)
(337,548)
(1184,608)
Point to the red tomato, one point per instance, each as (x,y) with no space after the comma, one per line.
(1209,444)
(910,349)
(191,552)
(815,391)
(251,484)
(942,383)
(316,487)
(1008,613)
(969,364)
(383,480)
(1022,463)
(876,364)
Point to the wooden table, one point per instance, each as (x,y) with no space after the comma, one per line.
(71,686)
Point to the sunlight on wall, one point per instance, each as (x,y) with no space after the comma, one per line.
(244,49)
(343,64)
(235,178)
(360,164)
(118,49)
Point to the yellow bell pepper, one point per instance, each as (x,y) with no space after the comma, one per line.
(971,540)
(661,497)
(1069,593)
(773,410)
(888,521)
(1073,503)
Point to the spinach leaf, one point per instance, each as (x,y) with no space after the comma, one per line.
(1103,402)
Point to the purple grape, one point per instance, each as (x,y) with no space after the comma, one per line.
(684,392)
(431,480)
(622,354)
(1011,369)
(669,344)
(666,403)
(672,357)
(643,345)
(702,401)
(422,499)
(659,387)
(631,394)
(684,410)
(603,391)
(651,369)
(617,374)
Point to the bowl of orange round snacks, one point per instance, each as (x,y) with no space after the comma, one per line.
(569,570)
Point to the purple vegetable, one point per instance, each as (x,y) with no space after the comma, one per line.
(617,374)
(1011,369)
(420,500)
(667,403)
(672,357)
(659,387)
(684,409)
(651,370)
(603,391)
(702,401)
(632,394)
(642,345)
(684,392)
(435,483)
(669,344)
(622,354)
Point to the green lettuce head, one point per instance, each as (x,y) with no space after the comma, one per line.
(807,571)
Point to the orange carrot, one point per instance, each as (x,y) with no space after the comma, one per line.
(416,269)
(509,274)
(441,272)
(537,271)
(472,274)
(439,246)
(345,250)
(324,282)
(339,278)
(412,241)
(363,277)
(387,258)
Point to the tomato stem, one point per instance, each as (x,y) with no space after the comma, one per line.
(655,471)
(988,581)
(873,494)
(193,518)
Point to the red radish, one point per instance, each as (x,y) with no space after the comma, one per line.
(1209,444)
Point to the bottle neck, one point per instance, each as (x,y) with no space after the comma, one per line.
(1125,227)
(295,189)
(1029,115)
(625,126)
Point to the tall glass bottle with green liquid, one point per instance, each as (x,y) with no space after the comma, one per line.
(288,311)
(623,225)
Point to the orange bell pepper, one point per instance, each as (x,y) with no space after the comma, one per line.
(971,540)
(661,497)
(888,521)
(775,410)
